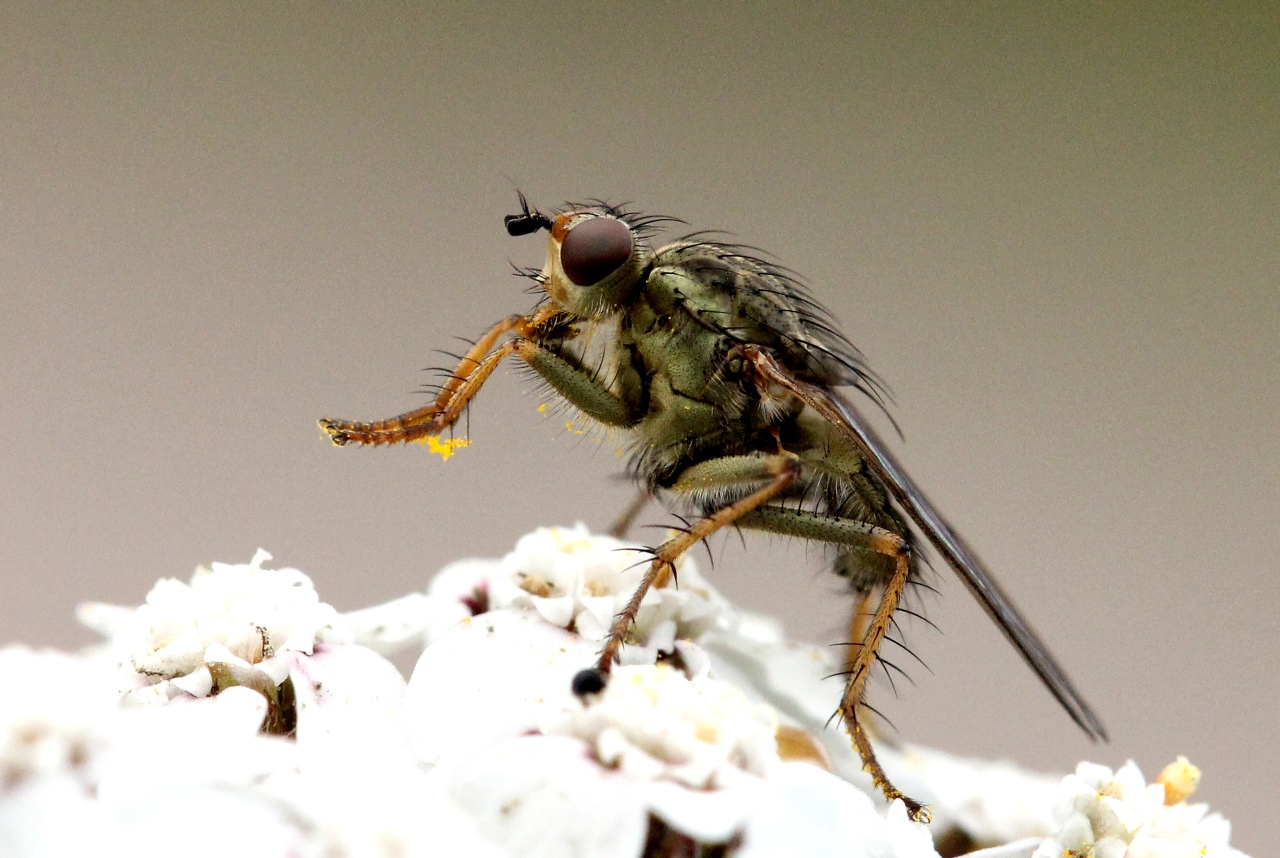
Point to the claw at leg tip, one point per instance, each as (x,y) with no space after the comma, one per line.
(588,681)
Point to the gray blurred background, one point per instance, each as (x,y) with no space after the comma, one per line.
(1053,229)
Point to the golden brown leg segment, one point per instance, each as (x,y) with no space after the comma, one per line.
(857,629)
(858,624)
(860,671)
(476,366)
(867,636)
(781,470)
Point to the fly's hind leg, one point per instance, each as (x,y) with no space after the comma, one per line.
(858,628)
(867,537)
(859,621)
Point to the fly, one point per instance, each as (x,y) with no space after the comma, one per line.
(726,376)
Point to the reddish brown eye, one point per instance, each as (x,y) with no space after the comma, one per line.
(594,249)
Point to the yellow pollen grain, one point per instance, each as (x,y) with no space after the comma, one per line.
(445,448)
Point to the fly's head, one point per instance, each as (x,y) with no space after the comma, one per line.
(596,255)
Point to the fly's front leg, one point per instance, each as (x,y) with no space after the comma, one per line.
(472,370)
(581,387)
(867,537)
(778,472)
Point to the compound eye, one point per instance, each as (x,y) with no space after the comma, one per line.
(594,249)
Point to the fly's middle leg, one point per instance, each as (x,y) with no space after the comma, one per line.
(867,537)
(779,470)
(620,526)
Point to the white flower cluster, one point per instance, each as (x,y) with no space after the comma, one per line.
(1118,814)
(579,582)
(655,722)
(50,710)
(277,727)
(232,625)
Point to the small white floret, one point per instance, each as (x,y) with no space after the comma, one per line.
(580,582)
(656,723)
(1119,815)
(229,625)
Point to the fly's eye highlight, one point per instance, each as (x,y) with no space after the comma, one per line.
(594,249)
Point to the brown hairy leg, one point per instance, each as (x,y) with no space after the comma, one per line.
(863,658)
(781,469)
(470,374)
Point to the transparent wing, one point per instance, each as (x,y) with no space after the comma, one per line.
(842,413)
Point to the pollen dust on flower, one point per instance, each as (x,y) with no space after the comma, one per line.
(706,732)
(795,745)
(568,541)
(1112,789)
(1180,779)
(445,448)
(535,584)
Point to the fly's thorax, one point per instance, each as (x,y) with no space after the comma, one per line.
(677,426)
(692,411)
(695,409)
(594,263)
(670,338)
(701,402)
